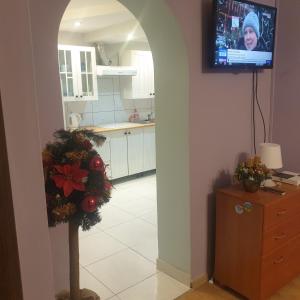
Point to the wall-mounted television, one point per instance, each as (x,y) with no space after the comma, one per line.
(244,35)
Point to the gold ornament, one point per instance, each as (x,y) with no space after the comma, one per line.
(75,156)
(64,212)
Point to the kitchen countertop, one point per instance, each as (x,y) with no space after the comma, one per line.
(118,126)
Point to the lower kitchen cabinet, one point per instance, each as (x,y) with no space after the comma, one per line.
(149,149)
(129,151)
(118,154)
(104,152)
(135,151)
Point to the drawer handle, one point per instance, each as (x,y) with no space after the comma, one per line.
(278,261)
(280,236)
(281,212)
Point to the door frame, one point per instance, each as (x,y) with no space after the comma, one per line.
(10,277)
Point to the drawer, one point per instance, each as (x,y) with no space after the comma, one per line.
(280,234)
(280,267)
(281,210)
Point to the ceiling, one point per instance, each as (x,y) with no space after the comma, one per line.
(105,20)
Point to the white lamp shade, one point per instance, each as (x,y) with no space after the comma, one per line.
(270,155)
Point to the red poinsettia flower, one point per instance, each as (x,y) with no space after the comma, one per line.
(71,178)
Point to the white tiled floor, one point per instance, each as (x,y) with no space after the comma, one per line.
(118,256)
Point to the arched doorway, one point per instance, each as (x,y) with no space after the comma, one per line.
(172,92)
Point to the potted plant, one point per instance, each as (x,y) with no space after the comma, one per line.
(76,187)
(252,173)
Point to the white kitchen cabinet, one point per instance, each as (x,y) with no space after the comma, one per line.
(77,70)
(135,154)
(142,85)
(104,152)
(118,152)
(128,151)
(149,162)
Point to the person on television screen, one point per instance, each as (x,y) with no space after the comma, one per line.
(251,33)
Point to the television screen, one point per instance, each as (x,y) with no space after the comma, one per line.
(244,34)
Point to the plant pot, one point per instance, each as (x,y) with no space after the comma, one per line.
(250,185)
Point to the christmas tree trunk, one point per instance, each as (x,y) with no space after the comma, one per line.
(74,261)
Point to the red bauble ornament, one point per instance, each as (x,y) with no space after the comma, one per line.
(96,164)
(89,204)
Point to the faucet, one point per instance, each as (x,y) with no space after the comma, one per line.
(150,116)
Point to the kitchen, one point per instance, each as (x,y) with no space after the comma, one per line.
(109,87)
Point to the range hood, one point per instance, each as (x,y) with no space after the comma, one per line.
(116,70)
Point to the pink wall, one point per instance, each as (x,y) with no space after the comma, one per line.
(220,127)
(220,130)
(50,108)
(287,87)
(17,79)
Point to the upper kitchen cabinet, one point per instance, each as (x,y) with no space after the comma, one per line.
(142,85)
(77,69)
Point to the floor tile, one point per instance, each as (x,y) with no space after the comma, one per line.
(112,216)
(135,205)
(93,230)
(114,298)
(122,270)
(157,287)
(98,246)
(148,248)
(146,190)
(150,217)
(89,282)
(133,232)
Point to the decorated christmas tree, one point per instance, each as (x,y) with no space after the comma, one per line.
(76,187)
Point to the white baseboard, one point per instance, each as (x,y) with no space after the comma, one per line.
(172,271)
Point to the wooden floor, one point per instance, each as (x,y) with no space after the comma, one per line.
(211,292)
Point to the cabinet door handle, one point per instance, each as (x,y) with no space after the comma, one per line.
(129,132)
(278,261)
(280,236)
(81,96)
(125,133)
(281,212)
(76,96)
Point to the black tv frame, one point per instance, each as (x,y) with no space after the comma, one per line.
(245,67)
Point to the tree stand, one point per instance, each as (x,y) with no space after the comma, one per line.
(75,292)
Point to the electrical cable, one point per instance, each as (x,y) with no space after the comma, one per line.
(256,97)
(253,111)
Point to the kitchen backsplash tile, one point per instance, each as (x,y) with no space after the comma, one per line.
(105,85)
(128,103)
(119,104)
(79,107)
(116,83)
(110,106)
(142,103)
(105,103)
(87,119)
(104,117)
(121,116)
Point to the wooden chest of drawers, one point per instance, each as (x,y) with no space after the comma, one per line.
(257,247)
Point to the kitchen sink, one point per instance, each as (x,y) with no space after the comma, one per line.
(145,121)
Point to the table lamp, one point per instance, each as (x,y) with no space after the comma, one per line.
(270,155)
